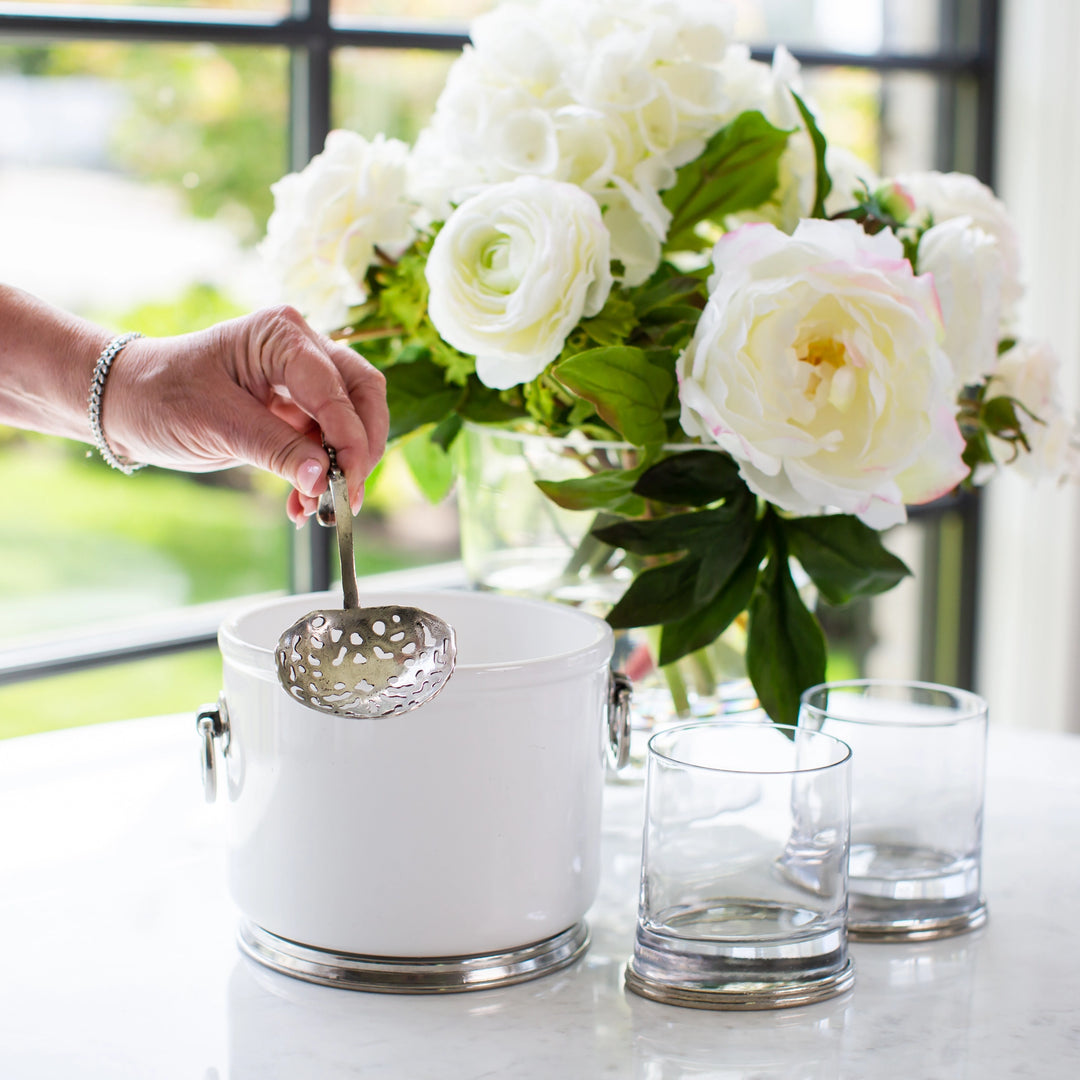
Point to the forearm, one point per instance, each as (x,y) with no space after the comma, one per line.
(47,360)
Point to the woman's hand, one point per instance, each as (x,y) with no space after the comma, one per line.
(264,390)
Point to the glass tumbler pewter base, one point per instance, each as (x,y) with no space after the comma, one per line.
(693,970)
(744,867)
(918,771)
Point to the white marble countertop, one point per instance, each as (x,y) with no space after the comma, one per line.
(118,961)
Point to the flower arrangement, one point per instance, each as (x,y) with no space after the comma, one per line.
(617,223)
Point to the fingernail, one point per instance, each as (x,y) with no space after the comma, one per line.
(308,475)
(357,501)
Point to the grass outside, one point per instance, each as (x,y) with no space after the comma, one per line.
(165,684)
(80,544)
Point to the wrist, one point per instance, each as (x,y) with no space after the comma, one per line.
(47,360)
(95,403)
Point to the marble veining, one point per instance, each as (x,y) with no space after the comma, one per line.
(119,962)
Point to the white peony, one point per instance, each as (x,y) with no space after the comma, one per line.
(513,271)
(968,269)
(1029,372)
(330,220)
(817,365)
(943,196)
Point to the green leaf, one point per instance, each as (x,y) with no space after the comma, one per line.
(430,465)
(656,595)
(417,394)
(611,489)
(446,431)
(666,287)
(822,180)
(697,531)
(999,415)
(785,648)
(719,561)
(843,557)
(674,313)
(614,323)
(692,478)
(737,171)
(483,405)
(628,391)
(683,636)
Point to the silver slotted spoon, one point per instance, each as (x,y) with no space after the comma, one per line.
(363,662)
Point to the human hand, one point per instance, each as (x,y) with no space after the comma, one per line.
(263,390)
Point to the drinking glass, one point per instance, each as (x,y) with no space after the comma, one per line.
(918,776)
(744,867)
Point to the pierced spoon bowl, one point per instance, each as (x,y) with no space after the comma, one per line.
(363,662)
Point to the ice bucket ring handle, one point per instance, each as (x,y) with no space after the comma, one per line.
(620,690)
(212,724)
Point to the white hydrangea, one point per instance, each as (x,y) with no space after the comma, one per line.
(609,95)
(329,219)
(767,88)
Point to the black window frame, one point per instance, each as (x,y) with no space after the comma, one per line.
(967,98)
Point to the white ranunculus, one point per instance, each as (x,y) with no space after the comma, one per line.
(950,195)
(512,272)
(1030,373)
(968,269)
(329,219)
(817,365)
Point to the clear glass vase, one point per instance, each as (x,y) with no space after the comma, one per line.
(514,539)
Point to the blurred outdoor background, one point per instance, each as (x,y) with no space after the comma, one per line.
(134,186)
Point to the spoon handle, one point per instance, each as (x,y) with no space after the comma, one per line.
(343,522)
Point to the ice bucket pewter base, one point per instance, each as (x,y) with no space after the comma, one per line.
(413,975)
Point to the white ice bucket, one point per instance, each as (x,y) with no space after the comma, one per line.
(469,826)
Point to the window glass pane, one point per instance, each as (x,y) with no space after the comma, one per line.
(889,120)
(388,91)
(453,11)
(93,7)
(859,26)
(133,183)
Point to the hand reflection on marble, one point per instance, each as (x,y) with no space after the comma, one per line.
(687,1044)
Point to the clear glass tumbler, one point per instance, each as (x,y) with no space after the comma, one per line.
(918,777)
(744,867)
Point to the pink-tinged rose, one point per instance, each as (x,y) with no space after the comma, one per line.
(895,200)
(1030,373)
(941,197)
(817,364)
(968,272)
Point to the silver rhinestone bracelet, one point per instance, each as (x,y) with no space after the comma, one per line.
(97,388)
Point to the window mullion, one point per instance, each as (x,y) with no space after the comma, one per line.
(309,122)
